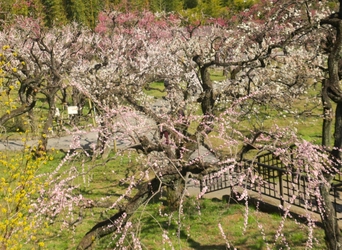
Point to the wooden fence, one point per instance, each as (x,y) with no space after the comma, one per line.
(269,176)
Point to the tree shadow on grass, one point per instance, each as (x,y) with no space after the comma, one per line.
(198,246)
(151,228)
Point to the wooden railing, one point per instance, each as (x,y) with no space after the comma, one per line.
(268,176)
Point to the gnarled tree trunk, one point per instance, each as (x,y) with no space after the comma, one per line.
(331,88)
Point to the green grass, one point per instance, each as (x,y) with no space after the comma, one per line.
(155,89)
(199,220)
(217,75)
(199,228)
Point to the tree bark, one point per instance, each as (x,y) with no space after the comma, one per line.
(17,112)
(32,121)
(329,220)
(332,89)
(42,145)
(338,135)
(327,116)
(103,147)
(207,98)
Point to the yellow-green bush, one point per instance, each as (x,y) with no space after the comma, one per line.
(8,61)
(19,184)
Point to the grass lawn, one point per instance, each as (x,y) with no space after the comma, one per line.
(200,228)
(196,227)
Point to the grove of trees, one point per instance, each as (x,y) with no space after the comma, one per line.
(58,12)
(272,55)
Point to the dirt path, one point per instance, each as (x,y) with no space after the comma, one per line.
(64,142)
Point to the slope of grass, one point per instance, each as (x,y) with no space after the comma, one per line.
(199,228)
(196,227)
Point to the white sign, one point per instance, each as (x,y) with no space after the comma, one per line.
(57,113)
(72,110)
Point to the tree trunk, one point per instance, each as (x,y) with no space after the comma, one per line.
(332,89)
(328,216)
(102,146)
(327,116)
(174,194)
(329,220)
(338,134)
(43,141)
(208,100)
(32,122)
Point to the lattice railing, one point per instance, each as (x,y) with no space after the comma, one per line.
(275,181)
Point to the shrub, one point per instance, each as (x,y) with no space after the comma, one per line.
(19,185)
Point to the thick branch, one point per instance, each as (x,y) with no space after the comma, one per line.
(16,112)
(334,90)
(103,228)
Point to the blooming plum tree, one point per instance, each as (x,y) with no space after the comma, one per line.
(272,61)
(274,52)
(36,61)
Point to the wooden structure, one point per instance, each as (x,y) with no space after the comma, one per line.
(270,177)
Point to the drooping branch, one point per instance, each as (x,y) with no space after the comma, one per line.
(119,219)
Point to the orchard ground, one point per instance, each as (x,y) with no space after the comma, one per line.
(88,139)
(162,170)
(203,231)
(215,200)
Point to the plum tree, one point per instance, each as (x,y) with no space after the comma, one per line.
(274,53)
(273,63)
(36,61)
